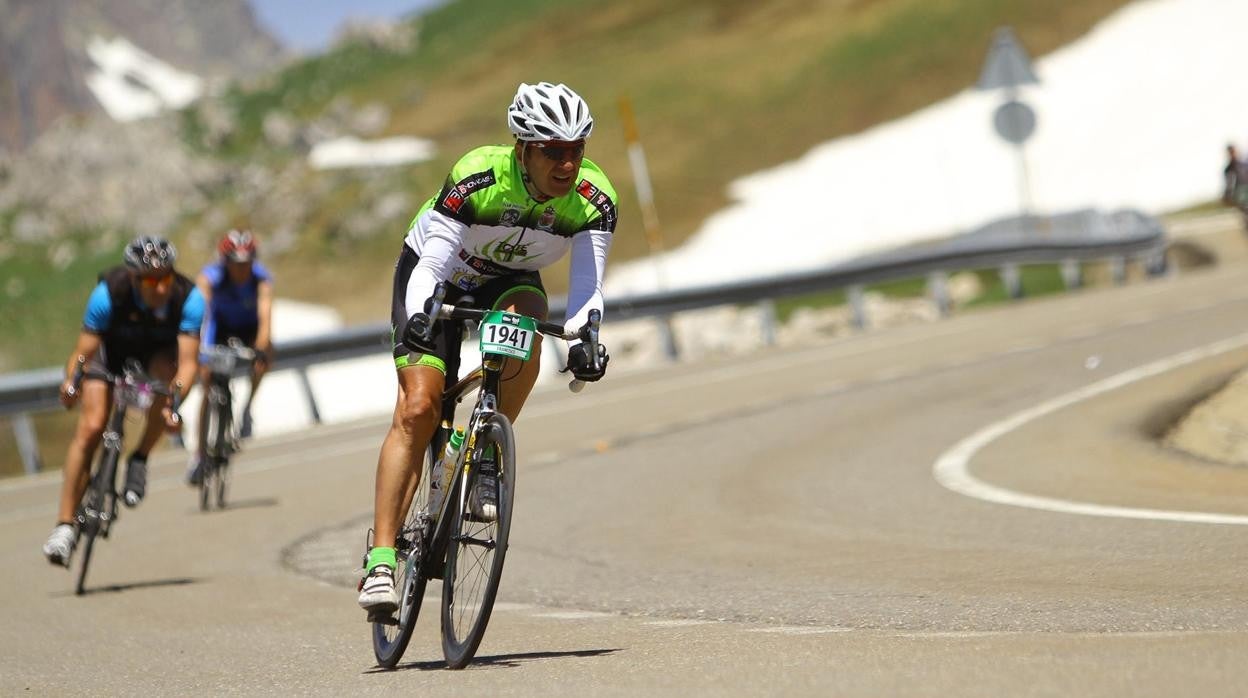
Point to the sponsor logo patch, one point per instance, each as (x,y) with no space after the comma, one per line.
(547,220)
(510,216)
(454,200)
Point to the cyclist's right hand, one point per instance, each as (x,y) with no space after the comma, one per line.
(418,333)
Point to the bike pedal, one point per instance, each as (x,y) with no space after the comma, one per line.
(383,617)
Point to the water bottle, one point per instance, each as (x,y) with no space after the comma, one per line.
(443,469)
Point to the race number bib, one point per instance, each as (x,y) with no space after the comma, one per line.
(508,334)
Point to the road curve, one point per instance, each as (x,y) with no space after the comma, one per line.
(759,525)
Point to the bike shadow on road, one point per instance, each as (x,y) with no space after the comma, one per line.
(133,586)
(500,660)
(253,503)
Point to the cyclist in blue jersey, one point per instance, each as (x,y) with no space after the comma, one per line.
(504,213)
(238,293)
(142,310)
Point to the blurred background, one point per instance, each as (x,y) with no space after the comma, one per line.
(779,135)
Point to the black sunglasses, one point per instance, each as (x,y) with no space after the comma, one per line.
(559,153)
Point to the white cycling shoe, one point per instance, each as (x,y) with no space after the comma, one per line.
(377,594)
(483,502)
(60,545)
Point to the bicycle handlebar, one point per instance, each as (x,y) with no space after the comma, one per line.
(437,309)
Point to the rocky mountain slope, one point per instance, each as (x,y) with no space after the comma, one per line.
(51,52)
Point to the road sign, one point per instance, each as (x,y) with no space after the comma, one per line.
(1007,65)
(1014,121)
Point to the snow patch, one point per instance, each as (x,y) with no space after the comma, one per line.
(132,84)
(1135,114)
(353,152)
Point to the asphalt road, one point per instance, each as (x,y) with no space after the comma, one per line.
(768,525)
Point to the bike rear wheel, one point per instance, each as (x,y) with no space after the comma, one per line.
(390,638)
(476,549)
(97,503)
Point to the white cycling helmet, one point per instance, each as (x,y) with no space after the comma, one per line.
(546,112)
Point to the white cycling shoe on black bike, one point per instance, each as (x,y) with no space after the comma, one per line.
(377,594)
(60,545)
(483,500)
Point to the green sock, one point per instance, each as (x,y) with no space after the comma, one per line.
(381,556)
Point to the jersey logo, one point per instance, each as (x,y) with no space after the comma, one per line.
(510,216)
(454,200)
(547,220)
(458,194)
(601,201)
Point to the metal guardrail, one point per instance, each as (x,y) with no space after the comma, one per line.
(1066,239)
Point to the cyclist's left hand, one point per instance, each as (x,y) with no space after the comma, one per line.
(173,420)
(581,365)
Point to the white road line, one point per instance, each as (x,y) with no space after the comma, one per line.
(951,469)
(677,623)
(800,630)
(574,615)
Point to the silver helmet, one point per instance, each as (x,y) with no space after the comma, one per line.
(546,112)
(148,253)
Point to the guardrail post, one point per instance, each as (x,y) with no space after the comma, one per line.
(1155,262)
(1012,278)
(1118,269)
(858,304)
(938,291)
(767,320)
(302,371)
(667,335)
(1072,274)
(27,444)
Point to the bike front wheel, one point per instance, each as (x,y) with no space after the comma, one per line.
(97,504)
(477,546)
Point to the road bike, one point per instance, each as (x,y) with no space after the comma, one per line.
(464,545)
(225,361)
(98,511)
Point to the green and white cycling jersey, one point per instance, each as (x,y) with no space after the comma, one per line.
(484,224)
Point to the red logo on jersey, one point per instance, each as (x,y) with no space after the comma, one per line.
(454,200)
(586,189)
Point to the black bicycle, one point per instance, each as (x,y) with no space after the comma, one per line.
(98,511)
(465,543)
(225,361)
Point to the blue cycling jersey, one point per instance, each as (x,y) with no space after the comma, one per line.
(234,308)
(99,315)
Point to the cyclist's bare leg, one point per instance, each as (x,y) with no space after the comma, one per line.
(162,368)
(519,376)
(95,401)
(416,414)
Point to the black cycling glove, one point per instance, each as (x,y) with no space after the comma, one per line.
(581,365)
(418,333)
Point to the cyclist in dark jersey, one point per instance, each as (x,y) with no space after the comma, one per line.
(238,293)
(143,310)
(504,213)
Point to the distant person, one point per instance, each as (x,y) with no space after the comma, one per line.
(1235,182)
(142,310)
(238,293)
(1235,178)
(503,213)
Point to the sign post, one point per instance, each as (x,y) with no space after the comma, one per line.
(1008,67)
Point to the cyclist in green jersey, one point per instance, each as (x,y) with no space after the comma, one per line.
(504,213)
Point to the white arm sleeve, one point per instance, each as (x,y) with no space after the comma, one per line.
(436,238)
(589,263)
